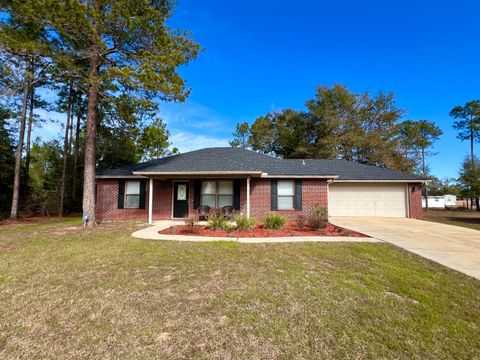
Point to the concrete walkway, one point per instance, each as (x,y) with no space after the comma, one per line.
(152,234)
(452,246)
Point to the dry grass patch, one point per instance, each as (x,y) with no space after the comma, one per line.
(100,293)
(459,217)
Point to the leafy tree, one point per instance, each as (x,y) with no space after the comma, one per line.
(416,137)
(468,127)
(240,136)
(45,174)
(331,110)
(21,43)
(444,186)
(262,134)
(282,134)
(468,123)
(116,147)
(470,178)
(336,124)
(153,140)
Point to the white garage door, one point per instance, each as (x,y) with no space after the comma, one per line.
(374,199)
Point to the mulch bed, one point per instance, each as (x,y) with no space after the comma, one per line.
(261,231)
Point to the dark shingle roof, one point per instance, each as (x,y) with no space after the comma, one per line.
(236,159)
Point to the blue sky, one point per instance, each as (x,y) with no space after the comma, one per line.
(262,56)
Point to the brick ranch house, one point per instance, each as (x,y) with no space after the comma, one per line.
(255,184)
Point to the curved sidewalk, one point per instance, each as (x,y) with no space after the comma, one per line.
(151,233)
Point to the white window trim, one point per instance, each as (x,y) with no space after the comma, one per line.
(285,196)
(126,194)
(217,194)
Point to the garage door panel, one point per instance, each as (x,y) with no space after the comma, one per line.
(359,199)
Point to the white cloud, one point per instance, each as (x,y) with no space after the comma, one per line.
(186,141)
(192,126)
(191,115)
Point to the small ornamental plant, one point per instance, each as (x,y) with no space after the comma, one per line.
(219,222)
(318,218)
(300,221)
(274,221)
(244,223)
(190,223)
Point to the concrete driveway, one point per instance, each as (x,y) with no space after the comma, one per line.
(452,246)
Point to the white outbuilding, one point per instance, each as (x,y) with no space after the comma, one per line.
(440,202)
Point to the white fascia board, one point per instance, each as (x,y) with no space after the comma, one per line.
(265,175)
(186,173)
(120,177)
(384,181)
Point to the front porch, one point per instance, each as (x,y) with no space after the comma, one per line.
(177,198)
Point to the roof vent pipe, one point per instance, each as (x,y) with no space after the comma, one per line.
(303,162)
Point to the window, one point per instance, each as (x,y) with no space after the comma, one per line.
(286,194)
(132,194)
(217,194)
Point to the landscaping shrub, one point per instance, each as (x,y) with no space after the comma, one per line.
(219,222)
(190,222)
(301,221)
(274,221)
(318,218)
(244,223)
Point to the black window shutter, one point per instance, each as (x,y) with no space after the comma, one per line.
(236,194)
(274,195)
(298,195)
(121,193)
(197,188)
(143,193)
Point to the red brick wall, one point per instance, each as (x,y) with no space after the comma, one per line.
(107,203)
(415,200)
(314,191)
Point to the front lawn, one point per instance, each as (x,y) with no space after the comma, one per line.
(69,293)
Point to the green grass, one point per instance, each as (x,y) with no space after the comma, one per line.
(69,293)
(460,217)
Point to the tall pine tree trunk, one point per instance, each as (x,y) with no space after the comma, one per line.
(90,141)
(65,152)
(29,138)
(472,155)
(18,151)
(75,154)
(72,114)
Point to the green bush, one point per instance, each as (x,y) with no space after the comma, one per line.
(318,218)
(219,222)
(244,223)
(274,221)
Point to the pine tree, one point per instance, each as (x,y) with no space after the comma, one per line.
(129,48)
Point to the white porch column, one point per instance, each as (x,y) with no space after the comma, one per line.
(248,196)
(150,202)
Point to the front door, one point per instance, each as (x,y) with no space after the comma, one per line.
(180,200)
